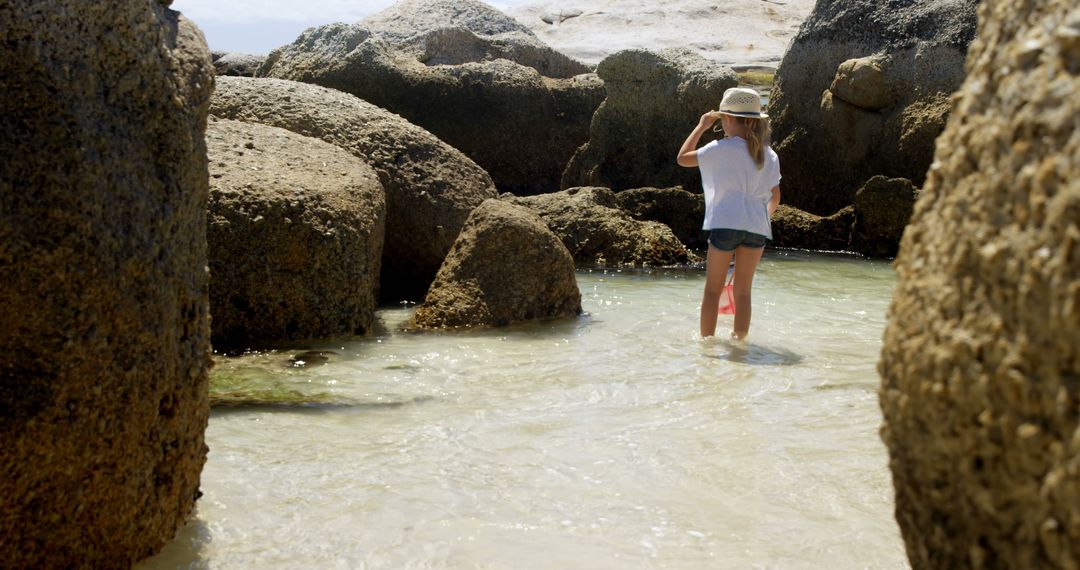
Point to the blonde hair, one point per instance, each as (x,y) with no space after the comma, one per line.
(758,133)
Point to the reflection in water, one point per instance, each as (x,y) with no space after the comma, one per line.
(620,439)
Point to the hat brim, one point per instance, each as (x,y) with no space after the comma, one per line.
(747,115)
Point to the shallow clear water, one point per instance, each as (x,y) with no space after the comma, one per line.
(617,440)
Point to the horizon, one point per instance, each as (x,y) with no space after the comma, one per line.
(259,26)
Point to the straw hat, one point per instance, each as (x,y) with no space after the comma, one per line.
(741,102)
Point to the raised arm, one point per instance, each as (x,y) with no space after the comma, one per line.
(688,151)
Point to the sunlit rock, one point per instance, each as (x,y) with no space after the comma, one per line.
(104,328)
(980,365)
(430,187)
(295,236)
(505,267)
(863,90)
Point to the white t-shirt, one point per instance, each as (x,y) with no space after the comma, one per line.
(737,194)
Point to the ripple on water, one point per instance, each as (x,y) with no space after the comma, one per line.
(618,439)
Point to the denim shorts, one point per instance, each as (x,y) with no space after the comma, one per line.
(727,240)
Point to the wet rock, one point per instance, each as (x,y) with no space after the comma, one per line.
(104,328)
(796,228)
(980,364)
(654,99)
(295,236)
(237,64)
(862,91)
(505,267)
(883,208)
(674,207)
(595,230)
(519,125)
(430,187)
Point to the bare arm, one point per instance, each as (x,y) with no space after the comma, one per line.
(688,151)
(774,201)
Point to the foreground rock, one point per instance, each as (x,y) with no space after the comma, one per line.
(506,267)
(520,126)
(653,101)
(674,207)
(104,329)
(981,355)
(589,223)
(452,32)
(430,187)
(295,236)
(864,90)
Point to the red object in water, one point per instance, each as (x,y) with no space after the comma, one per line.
(727,300)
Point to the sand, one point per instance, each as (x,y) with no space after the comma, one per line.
(748,33)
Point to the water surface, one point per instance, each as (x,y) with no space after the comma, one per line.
(617,440)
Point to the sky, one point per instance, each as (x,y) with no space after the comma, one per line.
(258,26)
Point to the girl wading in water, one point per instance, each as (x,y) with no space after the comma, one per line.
(740,175)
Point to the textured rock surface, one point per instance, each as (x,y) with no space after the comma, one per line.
(653,101)
(430,187)
(294,235)
(863,90)
(595,230)
(520,126)
(104,329)
(980,364)
(461,31)
(796,228)
(674,207)
(883,208)
(237,64)
(505,267)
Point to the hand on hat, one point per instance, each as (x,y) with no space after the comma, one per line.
(708,119)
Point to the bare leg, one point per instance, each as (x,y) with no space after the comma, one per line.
(716,270)
(746,262)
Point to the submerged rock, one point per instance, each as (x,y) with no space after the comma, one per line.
(653,101)
(594,229)
(864,90)
(430,187)
(505,267)
(980,364)
(104,328)
(519,125)
(295,236)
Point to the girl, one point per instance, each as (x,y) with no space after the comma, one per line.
(740,175)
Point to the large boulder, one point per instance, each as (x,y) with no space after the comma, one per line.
(104,328)
(980,365)
(883,208)
(595,230)
(799,229)
(505,267)
(654,99)
(864,90)
(674,207)
(520,126)
(430,187)
(295,236)
(460,31)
